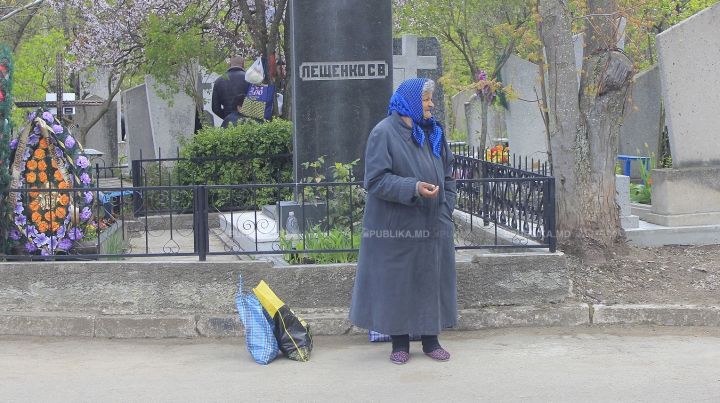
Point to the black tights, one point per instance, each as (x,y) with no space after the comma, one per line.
(401,342)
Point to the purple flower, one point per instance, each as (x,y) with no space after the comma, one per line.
(32,116)
(64,244)
(30,247)
(20,220)
(82,162)
(57,129)
(85,178)
(48,116)
(31,231)
(60,154)
(75,234)
(22,166)
(19,208)
(41,240)
(44,252)
(69,142)
(13,144)
(53,242)
(85,214)
(88,197)
(15,235)
(36,130)
(61,232)
(27,154)
(33,139)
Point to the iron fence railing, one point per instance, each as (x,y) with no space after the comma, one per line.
(202,220)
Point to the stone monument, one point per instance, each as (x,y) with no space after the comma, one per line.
(341,66)
(689,57)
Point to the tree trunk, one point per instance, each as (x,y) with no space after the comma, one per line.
(584,130)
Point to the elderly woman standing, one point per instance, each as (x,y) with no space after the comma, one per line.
(406,282)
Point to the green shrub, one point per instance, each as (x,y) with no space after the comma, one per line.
(249,139)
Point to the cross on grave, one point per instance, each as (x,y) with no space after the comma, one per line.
(59,103)
(405,66)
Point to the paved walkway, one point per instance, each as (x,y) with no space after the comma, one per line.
(579,364)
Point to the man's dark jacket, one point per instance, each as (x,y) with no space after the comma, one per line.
(225,89)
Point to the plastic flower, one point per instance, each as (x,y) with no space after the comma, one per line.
(88,197)
(34,206)
(60,212)
(75,234)
(85,178)
(57,175)
(30,247)
(49,215)
(55,226)
(15,234)
(19,208)
(64,244)
(48,116)
(85,214)
(32,116)
(33,139)
(13,144)
(34,194)
(31,165)
(63,185)
(31,177)
(61,231)
(43,226)
(82,162)
(43,177)
(57,129)
(41,240)
(42,143)
(39,154)
(36,217)
(65,200)
(69,142)
(20,220)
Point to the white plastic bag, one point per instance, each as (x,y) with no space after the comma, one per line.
(255,73)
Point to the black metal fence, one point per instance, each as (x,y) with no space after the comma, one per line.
(160,219)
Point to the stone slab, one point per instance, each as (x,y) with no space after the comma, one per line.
(685,197)
(47,324)
(649,235)
(523,316)
(169,122)
(664,315)
(141,326)
(341,71)
(458,111)
(689,59)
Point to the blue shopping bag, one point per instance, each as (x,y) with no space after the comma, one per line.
(259,328)
(258,101)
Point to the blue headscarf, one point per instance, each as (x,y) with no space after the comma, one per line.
(407,101)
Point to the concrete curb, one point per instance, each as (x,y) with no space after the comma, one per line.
(335,321)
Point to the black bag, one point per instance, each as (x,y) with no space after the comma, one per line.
(293,335)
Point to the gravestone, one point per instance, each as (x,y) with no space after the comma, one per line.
(525,127)
(341,69)
(104,135)
(473,119)
(643,125)
(622,197)
(415,57)
(689,58)
(458,111)
(152,124)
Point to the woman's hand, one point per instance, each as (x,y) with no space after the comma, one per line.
(428,190)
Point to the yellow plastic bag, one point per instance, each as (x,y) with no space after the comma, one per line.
(293,334)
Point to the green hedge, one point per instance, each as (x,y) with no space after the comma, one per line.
(249,139)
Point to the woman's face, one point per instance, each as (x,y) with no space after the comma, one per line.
(427,104)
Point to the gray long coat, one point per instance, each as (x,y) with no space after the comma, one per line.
(406,280)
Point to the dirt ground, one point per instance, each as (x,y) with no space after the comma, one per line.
(678,274)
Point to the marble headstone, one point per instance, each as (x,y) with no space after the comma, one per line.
(473,121)
(138,125)
(643,125)
(341,69)
(459,122)
(420,57)
(689,58)
(525,127)
(103,136)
